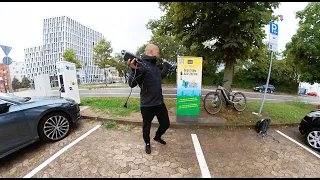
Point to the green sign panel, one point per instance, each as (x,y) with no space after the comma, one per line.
(189,78)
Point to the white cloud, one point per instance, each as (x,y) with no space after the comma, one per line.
(123,22)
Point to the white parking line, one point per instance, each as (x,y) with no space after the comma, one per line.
(44,164)
(202,162)
(304,147)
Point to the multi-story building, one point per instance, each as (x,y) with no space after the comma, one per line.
(5,80)
(17,70)
(60,34)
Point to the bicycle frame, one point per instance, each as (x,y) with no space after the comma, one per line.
(224,94)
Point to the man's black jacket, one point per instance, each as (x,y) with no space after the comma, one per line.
(148,76)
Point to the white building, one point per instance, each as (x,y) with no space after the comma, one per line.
(60,34)
(17,70)
(33,62)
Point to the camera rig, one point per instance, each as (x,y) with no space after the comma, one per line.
(127,55)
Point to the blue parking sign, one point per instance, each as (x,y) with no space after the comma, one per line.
(274,28)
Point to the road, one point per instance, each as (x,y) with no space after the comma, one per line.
(171,93)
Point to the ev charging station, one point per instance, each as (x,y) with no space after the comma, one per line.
(42,85)
(67,78)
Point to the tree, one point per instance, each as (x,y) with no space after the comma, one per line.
(102,55)
(70,56)
(25,82)
(169,46)
(304,48)
(15,84)
(232,28)
(119,64)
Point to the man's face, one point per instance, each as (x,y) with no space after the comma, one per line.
(155,52)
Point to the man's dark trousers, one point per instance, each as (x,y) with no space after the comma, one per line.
(148,113)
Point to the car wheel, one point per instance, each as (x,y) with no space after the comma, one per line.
(271,91)
(260,90)
(313,139)
(54,127)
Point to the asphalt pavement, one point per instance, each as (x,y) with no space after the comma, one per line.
(171,93)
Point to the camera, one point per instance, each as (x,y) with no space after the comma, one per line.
(127,55)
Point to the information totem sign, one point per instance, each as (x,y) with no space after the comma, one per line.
(189,78)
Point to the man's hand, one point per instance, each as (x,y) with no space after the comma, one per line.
(132,63)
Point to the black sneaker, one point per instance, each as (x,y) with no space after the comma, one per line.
(148,148)
(160,140)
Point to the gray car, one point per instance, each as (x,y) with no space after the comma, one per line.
(24,121)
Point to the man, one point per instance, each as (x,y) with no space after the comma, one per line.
(148,76)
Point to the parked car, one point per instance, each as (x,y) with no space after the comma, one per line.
(261,88)
(312,94)
(310,128)
(24,121)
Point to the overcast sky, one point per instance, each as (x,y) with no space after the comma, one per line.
(123,23)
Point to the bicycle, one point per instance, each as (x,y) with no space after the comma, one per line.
(239,103)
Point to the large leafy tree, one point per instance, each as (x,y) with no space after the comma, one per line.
(102,55)
(304,48)
(230,29)
(70,56)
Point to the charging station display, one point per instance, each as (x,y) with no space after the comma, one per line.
(189,78)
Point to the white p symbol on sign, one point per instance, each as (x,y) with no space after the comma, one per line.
(274,28)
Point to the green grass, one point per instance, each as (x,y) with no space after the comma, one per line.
(285,112)
(127,128)
(110,124)
(114,106)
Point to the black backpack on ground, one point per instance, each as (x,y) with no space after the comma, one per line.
(262,126)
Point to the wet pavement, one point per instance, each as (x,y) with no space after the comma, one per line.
(120,153)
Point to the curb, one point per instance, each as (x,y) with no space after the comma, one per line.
(179,125)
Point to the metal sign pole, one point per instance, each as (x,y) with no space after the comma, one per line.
(273,47)
(267,84)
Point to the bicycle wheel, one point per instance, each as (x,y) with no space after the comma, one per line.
(239,101)
(212,103)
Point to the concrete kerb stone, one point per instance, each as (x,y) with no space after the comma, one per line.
(180,125)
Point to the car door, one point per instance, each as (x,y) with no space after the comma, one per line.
(14,130)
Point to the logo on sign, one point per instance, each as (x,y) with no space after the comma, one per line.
(69,68)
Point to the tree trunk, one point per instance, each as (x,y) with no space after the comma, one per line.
(105,75)
(228,73)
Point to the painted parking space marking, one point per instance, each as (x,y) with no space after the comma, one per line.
(44,164)
(201,160)
(304,147)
